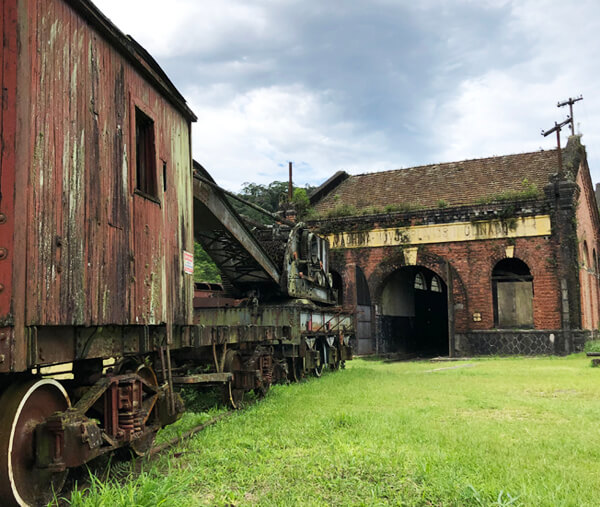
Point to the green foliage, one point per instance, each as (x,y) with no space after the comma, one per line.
(592,346)
(402,207)
(528,191)
(371,210)
(442,203)
(301,203)
(510,431)
(271,197)
(341,210)
(205,270)
(348,210)
(268,197)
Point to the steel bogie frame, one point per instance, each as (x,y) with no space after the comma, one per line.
(242,349)
(117,411)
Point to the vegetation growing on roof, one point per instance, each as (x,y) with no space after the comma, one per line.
(342,210)
(528,191)
(402,207)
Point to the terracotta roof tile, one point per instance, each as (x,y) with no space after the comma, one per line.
(455,183)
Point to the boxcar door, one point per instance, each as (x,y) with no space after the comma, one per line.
(147,222)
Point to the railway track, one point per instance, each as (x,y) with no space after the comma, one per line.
(80,477)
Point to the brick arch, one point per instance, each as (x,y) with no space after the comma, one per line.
(536,268)
(434,263)
(338,264)
(342,296)
(542,280)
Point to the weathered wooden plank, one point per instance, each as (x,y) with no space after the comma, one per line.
(85,222)
(8,122)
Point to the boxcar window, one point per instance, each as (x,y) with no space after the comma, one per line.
(145,155)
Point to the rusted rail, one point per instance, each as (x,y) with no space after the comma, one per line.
(174,441)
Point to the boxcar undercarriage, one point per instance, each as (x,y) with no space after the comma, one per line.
(49,425)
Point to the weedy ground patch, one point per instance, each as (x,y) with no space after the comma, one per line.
(503,431)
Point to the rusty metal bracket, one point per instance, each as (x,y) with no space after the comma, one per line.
(32,348)
(219,364)
(204,378)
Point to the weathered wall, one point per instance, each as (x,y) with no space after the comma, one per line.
(97,253)
(588,242)
(471,266)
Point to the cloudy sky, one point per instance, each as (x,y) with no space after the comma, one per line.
(367,86)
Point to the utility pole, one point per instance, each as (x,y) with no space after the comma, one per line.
(557,128)
(570,103)
(290,187)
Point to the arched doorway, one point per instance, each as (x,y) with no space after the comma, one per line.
(364,336)
(338,285)
(414,312)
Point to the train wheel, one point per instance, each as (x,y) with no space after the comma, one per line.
(295,369)
(318,370)
(23,406)
(336,362)
(265,366)
(233,397)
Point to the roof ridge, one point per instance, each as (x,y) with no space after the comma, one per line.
(455,162)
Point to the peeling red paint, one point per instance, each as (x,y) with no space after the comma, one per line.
(91,252)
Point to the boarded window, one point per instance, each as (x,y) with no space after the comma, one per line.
(145,155)
(512,285)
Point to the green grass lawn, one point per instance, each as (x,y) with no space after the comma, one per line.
(520,431)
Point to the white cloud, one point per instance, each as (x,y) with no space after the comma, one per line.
(338,86)
(254,136)
(503,110)
(186,25)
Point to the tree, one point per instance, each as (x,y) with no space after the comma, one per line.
(271,197)
(205,270)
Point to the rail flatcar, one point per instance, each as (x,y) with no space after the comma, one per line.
(99,208)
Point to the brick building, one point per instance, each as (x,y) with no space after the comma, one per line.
(495,255)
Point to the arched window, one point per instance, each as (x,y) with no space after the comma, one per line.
(512,286)
(420,282)
(585,256)
(435,284)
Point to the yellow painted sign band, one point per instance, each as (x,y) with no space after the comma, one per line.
(444,233)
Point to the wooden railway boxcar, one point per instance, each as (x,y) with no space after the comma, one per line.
(97,207)
(96,189)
